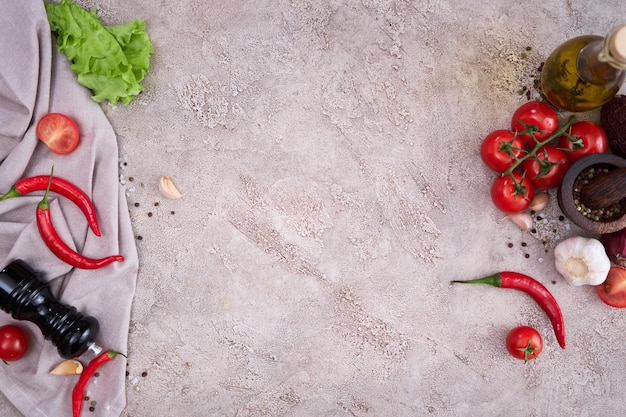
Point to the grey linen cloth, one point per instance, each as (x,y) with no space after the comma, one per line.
(35,79)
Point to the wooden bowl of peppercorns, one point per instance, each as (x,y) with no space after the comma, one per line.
(604,220)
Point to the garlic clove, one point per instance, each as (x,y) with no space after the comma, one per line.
(540,201)
(168,189)
(68,367)
(523,220)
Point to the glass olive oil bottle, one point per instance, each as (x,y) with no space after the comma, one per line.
(585,72)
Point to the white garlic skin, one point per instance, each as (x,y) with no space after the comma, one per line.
(540,201)
(523,220)
(582,261)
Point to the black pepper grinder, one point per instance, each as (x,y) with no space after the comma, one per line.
(26,297)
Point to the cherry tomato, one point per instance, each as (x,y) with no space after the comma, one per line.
(585,138)
(59,132)
(512,193)
(538,114)
(500,149)
(548,168)
(613,290)
(524,342)
(13,343)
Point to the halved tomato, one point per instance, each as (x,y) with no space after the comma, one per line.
(59,132)
(613,290)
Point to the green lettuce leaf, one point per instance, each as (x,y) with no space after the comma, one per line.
(109,60)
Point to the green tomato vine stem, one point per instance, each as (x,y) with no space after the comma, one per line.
(531,129)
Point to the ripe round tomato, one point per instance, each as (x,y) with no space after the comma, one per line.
(548,168)
(524,342)
(613,290)
(512,193)
(13,343)
(585,138)
(59,132)
(500,149)
(538,114)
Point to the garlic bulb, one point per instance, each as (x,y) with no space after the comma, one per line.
(168,189)
(582,261)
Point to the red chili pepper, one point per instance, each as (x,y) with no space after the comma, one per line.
(60,186)
(60,248)
(535,289)
(78,393)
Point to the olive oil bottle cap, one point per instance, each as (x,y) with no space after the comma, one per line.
(617,44)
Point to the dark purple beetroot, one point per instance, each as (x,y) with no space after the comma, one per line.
(613,120)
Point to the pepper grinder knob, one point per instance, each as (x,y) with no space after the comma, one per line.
(26,297)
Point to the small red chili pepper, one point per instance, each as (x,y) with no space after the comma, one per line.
(78,393)
(60,248)
(535,289)
(60,186)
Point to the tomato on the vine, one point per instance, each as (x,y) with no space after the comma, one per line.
(583,138)
(524,342)
(547,168)
(538,114)
(500,149)
(59,132)
(512,193)
(13,343)
(613,290)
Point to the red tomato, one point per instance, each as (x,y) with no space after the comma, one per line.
(59,132)
(500,149)
(13,343)
(538,114)
(548,167)
(613,290)
(583,138)
(524,342)
(512,193)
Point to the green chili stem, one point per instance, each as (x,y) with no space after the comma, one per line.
(44,204)
(494,280)
(13,192)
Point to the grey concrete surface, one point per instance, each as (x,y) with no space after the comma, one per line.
(328,152)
